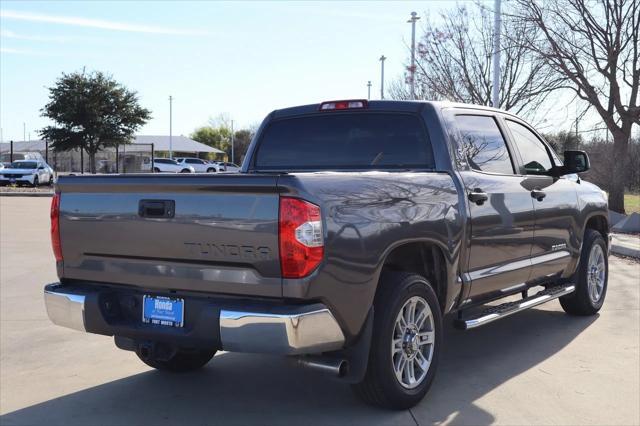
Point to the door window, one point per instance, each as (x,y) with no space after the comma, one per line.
(534,153)
(483,144)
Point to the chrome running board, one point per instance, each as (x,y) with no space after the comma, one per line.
(494,313)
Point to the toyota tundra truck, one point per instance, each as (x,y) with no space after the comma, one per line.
(353,229)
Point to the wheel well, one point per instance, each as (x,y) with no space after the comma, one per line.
(600,224)
(425,259)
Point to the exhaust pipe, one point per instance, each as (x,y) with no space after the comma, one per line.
(331,366)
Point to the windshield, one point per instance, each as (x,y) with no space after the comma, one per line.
(23,165)
(337,141)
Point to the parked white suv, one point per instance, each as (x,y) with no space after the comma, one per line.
(170,166)
(200,166)
(27,172)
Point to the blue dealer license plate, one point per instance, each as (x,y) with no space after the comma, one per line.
(163,311)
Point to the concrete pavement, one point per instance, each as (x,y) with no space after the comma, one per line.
(538,367)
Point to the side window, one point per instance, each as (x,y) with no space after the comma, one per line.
(483,145)
(534,154)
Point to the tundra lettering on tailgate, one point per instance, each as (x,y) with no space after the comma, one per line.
(228,251)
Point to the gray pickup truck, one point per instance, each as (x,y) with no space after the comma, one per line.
(352,229)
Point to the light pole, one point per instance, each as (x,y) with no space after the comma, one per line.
(369,90)
(232,144)
(412,70)
(170,126)
(24,131)
(497,23)
(382,59)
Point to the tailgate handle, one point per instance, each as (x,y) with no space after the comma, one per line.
(157,208)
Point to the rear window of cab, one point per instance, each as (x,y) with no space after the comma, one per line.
(345,140)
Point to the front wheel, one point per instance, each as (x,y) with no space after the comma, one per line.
(591,277)
(406,342)
(35,182)
(182,361)
(185,171)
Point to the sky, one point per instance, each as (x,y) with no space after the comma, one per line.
(243,59)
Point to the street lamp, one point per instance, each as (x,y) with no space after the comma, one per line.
(369,90)
(382,59)
(412,70)
(170,126)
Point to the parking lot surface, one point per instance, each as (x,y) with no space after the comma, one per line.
(538,367)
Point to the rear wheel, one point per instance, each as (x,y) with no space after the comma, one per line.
(591,278)
(156,170)
(185,171)
(181,361)
(406,342)
(50,180)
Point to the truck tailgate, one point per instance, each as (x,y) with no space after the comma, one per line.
(209,233)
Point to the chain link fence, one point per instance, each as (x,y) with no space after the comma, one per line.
(132,158)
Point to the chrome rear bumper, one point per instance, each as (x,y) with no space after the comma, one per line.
(65,309)
(286,330)
(310,329)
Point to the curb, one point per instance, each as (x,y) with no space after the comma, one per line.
(26,194)
(625,251)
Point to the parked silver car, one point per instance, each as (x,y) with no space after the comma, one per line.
(23,172)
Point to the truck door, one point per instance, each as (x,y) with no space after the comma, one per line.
(556,241)
(500,207)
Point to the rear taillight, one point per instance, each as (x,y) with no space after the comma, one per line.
(301,238)
(55,227)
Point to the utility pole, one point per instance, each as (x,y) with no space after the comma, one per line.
(232,144)
(497,24)
(414,18)
(170,126)
(369,90)
(382,59)
(24,131)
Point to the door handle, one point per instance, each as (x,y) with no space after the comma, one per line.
(478,197)
(538,194)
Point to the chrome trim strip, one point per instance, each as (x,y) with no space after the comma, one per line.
(517,307)
(64,309)
(305,332)
(518,264)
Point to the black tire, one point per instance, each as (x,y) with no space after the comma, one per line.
(185,171)
(181,362)
(50,180)
(580,302)
(156,170)
(380,386)
(35,182)
(211,170)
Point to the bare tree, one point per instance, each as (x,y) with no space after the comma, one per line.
(594,45)
(454,63)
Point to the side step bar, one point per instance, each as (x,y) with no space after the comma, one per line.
(494,313)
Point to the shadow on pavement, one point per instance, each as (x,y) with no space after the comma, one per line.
(253,389)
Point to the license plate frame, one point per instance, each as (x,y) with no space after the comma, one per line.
(163,310)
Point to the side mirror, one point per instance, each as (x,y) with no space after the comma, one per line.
(41,168)
(575,162)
